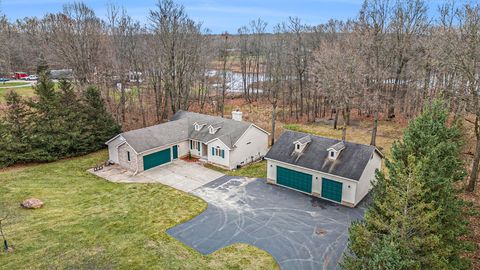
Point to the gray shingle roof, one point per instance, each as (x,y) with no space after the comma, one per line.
(181,127)
(338,146)
(305,139)
(155,136)
(349,164)
(229,132)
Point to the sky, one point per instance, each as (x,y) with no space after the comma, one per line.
(216,15)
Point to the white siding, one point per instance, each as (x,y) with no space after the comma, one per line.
(217,144)
(368,175)
(348,188)
(194,151)
(250,147)
(112,149)
(183,149)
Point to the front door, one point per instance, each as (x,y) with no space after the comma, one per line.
(175,151)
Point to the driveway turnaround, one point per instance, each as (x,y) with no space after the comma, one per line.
(179,174)
(301,232)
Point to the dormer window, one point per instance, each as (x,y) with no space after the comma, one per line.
(301,143)
(213,130)
(334,150)
(198,126)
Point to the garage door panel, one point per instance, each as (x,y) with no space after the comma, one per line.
(294,179)
(332,190)
(156,159)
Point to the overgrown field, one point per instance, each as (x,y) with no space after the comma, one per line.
(89,223)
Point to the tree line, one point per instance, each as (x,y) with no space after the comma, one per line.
(57,124)
(385,63)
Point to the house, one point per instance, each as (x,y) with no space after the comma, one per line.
(227,143)
(334,170)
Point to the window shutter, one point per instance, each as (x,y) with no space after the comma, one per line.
(191,144)
(198,146)
(213,151)
(223,153)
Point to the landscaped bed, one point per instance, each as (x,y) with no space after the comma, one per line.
(87,222)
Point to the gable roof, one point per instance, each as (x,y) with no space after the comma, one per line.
(181,127)
(152,137)
(349,164)
(229,130)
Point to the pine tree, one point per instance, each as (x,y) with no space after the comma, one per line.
(99,125)
(415,218)
(14,146)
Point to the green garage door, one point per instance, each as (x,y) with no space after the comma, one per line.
(332,190)
(294,179)
(156,159)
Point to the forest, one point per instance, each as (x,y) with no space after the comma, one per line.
(396,61)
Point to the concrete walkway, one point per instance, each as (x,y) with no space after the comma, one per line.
(185,176)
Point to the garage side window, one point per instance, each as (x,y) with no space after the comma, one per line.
(128,155)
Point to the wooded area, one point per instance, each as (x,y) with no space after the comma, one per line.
(384,64)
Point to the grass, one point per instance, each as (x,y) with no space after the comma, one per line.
(9,84)
(22,91)
(89,223)
(254,170)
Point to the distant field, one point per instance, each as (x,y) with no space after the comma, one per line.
(22,91)
(7,84)
(89,223)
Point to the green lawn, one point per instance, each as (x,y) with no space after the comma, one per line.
(22,91)
(255,170)
(89,223)
(8,84)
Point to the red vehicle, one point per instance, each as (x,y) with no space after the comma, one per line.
(20,75)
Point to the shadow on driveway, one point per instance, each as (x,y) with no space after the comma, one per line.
(301,232)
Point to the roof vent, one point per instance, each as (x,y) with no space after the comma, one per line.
(334,150)
(237,115)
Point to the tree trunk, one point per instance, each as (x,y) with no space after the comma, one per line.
(474,174)
(274,118)
(335,121)
(374,130)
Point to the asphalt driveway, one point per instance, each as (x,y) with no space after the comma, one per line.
(299,231)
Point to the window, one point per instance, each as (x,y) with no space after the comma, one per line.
(191,144)
(332,154)
(298,146)
(218,152)
(128,155)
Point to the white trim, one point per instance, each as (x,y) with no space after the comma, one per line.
(251,125)
(212,140)
(109,141)
(125,142)
(315,171)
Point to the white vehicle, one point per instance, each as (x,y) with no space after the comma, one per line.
(32,78)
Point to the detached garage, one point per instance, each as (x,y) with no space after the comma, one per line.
(333,170)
